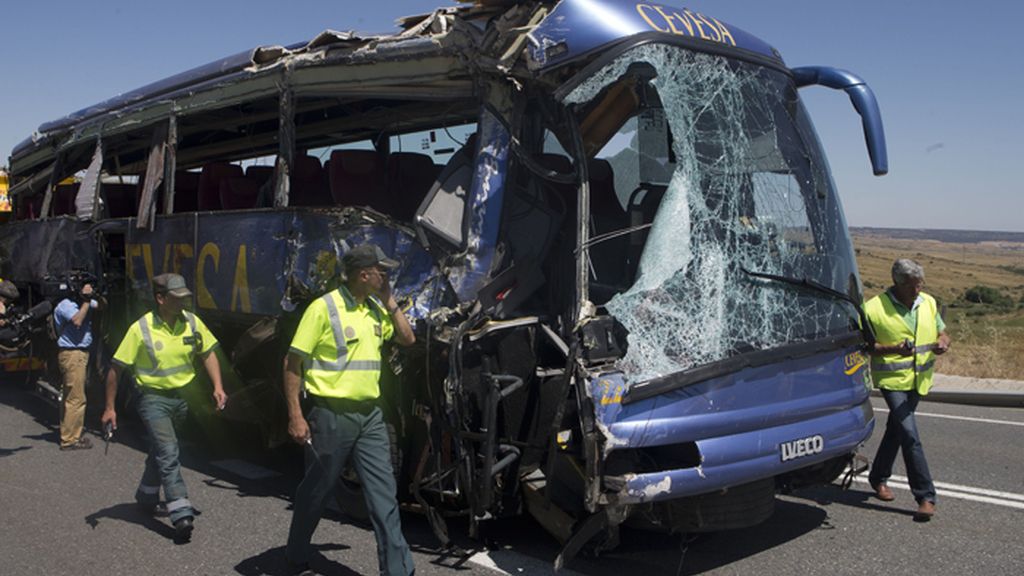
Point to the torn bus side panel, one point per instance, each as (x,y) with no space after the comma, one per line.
(252,275)
(314,243)
(476,264)
(32,251)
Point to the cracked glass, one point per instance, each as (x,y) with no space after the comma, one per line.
(718,173)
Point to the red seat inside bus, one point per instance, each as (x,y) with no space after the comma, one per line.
(239,193)
(209,183)
(261,174)
(409,177)
(357,179)
(308,183)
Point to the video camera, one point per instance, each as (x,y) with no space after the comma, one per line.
(70,285)
(19,326)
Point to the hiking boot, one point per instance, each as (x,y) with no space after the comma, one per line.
(83,443)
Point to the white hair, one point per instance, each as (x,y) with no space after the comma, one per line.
(906,269)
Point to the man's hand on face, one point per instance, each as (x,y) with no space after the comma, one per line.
(385,288)
(87,292)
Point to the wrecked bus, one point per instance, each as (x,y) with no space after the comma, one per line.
(634,291)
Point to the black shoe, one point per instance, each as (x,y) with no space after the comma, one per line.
(183,529)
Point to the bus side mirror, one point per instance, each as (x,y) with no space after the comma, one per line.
(863,100)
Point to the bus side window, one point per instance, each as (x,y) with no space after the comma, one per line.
(64,199)
(120,200)
(186,192)
(30,209)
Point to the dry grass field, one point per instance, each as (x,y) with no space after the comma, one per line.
(988,338)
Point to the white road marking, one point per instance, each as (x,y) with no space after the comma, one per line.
(946,490)
(965,418)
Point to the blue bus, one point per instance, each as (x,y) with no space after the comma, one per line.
(626,260)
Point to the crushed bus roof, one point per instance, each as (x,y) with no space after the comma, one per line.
(544,34)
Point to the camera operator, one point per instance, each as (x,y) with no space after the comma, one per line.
(8,333)
(8,294)
(73,323)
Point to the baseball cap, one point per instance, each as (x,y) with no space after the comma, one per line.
(172,284)
(367,256)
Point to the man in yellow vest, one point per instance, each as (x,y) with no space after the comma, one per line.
(336,355)
(161,348)
(909,333)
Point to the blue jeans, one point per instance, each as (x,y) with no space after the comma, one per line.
(336,433)
(901,433)
(159,414)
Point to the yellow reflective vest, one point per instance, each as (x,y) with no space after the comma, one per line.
(340,342)
(161,355)
(893,371)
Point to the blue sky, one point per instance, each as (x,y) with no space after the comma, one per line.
(946,78)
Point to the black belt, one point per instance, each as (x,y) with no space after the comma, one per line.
(342,405)
(165,392)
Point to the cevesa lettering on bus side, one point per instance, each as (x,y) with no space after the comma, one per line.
(175,254)
(706,28)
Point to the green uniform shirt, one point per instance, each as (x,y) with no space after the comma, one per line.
(910,314)
(349,368)
(168,364)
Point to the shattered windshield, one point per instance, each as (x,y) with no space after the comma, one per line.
(717,172)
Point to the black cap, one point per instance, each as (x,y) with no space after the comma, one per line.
(367,256)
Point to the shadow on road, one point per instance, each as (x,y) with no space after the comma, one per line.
(8,451)
(653,553)
(18,395)
(273,562)
(129,512)
(832,494)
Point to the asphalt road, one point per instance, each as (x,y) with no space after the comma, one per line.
(72,513)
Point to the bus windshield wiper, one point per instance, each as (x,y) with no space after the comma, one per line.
(808,284)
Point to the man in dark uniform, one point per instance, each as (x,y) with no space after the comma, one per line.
(161,348)
(336,355)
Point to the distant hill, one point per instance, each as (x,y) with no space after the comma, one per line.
(957,236)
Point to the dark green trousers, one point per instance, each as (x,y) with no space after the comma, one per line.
(339,429)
